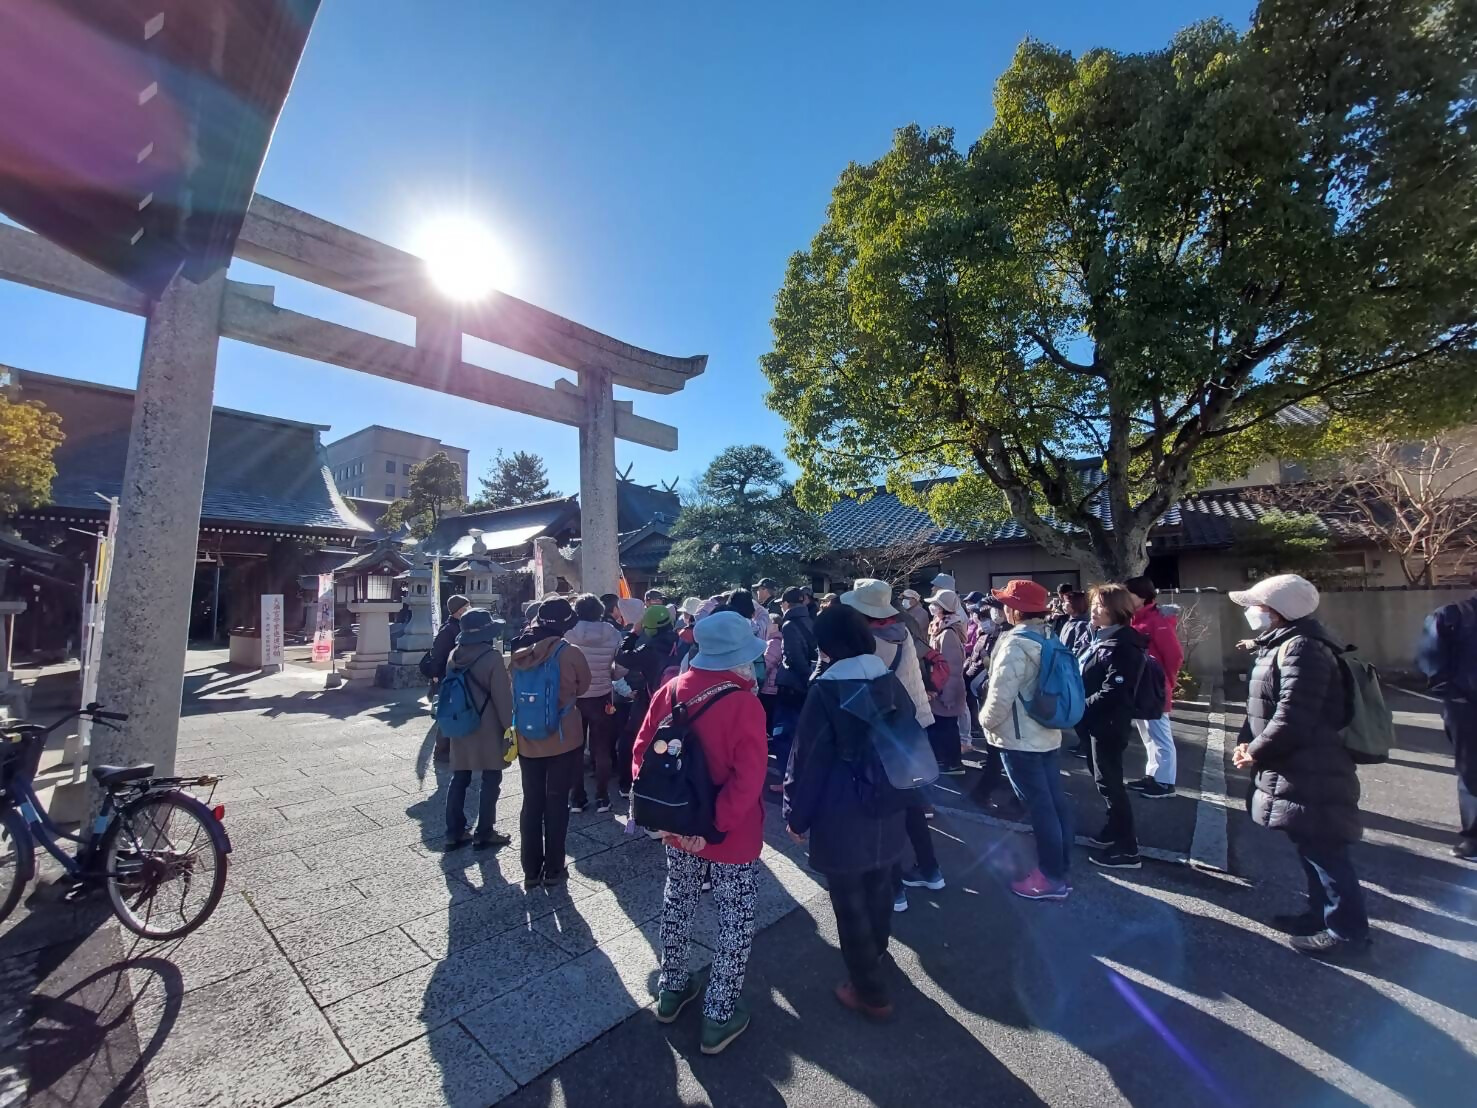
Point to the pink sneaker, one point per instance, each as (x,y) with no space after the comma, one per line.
(1037,886)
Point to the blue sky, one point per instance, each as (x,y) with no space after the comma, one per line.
(649,168)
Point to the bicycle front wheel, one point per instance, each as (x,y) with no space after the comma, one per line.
(164,865)
(17,859)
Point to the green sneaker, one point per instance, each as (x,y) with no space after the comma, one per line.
(717,1036)
(669,1004)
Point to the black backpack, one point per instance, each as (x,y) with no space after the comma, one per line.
(673,791)
(1146,698)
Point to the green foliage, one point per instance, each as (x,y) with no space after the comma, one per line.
(1142,262)
(516,478)
(435,487)
(29,436)
(1284,542)
(740,524)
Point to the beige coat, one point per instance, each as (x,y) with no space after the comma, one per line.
(574,682)
(484,748)
(1015,666)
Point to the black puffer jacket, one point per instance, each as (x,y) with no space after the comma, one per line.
(1305,782)
(1112,663)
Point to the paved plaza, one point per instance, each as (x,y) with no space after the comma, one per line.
(352,963)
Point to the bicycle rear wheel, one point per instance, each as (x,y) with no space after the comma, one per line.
(17,859)
(164,865)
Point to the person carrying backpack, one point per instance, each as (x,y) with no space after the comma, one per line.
(1115,665)
(1162,762)
(477,665)
(893,645)
(798,658)
(1447,655)
(857,837)
(1304,780)
(948,703)
(1030,749)
(718,692)
(549,675)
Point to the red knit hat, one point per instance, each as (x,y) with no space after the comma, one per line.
(1023,596)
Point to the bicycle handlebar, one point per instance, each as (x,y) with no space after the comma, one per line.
(94,710)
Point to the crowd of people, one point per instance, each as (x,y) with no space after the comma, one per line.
(819,678)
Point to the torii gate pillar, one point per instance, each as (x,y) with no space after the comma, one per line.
(600,565)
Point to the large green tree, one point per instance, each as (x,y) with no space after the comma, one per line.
(516,478)
(739,524)
(1143,261)
(435,487)
(29,435)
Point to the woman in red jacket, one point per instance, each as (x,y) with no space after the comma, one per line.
(735,747)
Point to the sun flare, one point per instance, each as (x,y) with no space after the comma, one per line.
(464,259)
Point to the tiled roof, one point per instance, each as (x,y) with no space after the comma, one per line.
(1201,521)
(504,527)
(260,470)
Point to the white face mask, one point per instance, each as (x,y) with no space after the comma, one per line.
(907,602)
(1258,619)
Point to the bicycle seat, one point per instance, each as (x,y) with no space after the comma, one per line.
(108,776)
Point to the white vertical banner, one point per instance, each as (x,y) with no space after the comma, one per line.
(271,629)
(95,611)
(436,592)
(323,624)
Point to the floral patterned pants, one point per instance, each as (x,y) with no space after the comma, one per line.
(734,892)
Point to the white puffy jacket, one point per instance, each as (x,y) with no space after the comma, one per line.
(1015,666)
(598,642)
(909,672)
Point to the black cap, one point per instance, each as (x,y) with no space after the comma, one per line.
(792,595)
(768,583)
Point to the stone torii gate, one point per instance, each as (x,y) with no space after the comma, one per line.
(144,644)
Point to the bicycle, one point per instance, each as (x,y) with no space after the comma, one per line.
(134,850)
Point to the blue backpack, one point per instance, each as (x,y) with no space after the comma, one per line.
(536,711)
(1060,697)
(457,712)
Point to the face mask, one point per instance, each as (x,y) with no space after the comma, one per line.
(935,611)
(1258,619)
(907,603)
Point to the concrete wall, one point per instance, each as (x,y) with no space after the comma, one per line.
(991,568)
(1384,624)
(1216,569)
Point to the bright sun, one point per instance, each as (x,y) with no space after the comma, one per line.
(463,258)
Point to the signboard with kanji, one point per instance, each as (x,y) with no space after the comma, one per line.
(272,631)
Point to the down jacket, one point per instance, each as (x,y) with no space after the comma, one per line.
(948,640)
(1304,781)
(1112,663)
(1015,664)
(1158,626)
(598,642)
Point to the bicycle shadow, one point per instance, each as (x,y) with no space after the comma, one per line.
(76,1036)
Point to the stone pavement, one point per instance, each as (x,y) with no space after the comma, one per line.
(351,960)
(352,963)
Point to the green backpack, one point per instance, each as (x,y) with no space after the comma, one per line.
(1368,727)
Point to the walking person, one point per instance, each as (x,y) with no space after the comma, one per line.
(1030,751)
(551,764)
(893,645)
(1112,664)
(798,657)
(946,635)
(1304,780)
(483,751)
(1164,647)
(731,733)
(1447,655)
(856,850)
(598,641)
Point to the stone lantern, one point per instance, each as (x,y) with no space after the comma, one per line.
(402,668)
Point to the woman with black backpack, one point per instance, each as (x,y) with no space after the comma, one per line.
(858,851)
(1113,663)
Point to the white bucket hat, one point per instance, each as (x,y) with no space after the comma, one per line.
(871,597)
(944,582)
(947,599)
(1287,594)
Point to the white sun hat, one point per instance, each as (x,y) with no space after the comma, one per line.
(1287,594)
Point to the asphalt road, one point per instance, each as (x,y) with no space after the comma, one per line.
(1156,987)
